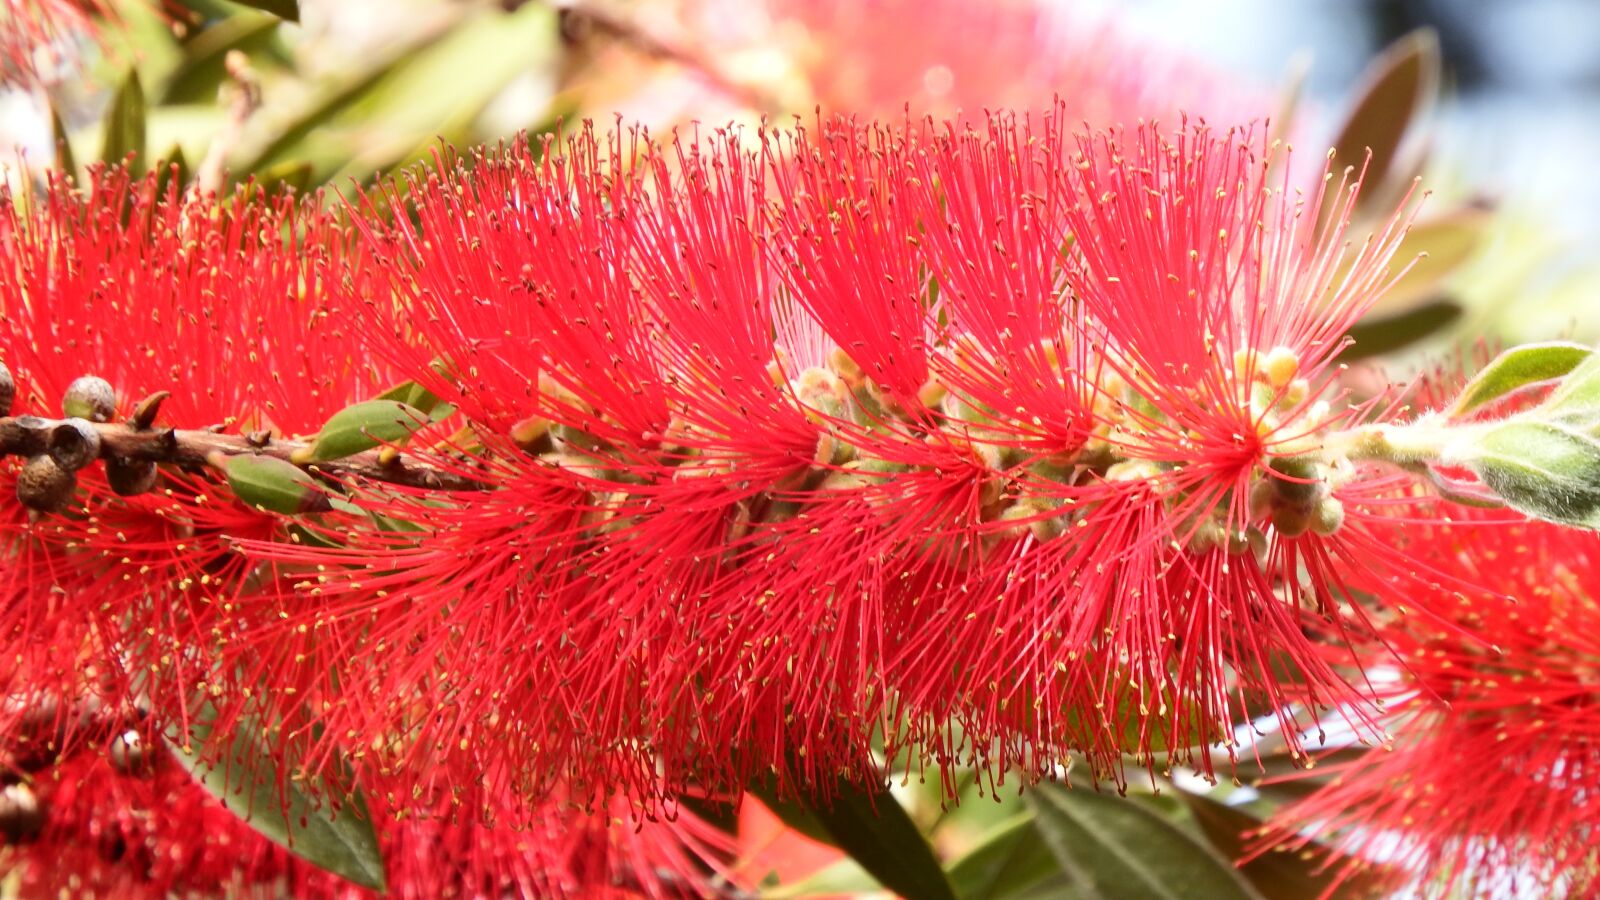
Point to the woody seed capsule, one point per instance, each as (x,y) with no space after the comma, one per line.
(74,444)
(45,486)
(90,397)
(130,477)
(8,390)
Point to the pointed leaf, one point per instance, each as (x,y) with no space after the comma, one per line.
(1399,86)
(843,878)
(1547,470)
(288,10)
(366,425)
(874,829)
(65,161)
(1518,368)
(412,394)
(274,484)
(1010,860)
(332,832)
(1287,875)
(1115,848)
(1440,246)
(1377,336)
(125,124)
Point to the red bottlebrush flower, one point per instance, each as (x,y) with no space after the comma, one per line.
(126,820)
(125,597)
(36,35)
(1496,708)
(881,432)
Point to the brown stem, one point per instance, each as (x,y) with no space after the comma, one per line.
(31,435)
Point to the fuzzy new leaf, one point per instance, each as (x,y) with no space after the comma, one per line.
(1518,368)
(1545,469)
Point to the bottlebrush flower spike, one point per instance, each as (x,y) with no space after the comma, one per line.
(124,598)
(1487,785)
(35,35)
(124,819)
(878,432)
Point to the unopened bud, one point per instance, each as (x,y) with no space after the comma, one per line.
(130,477)
(90,397)
(1280,366)
(1329,517)
(74,444)
(1292,520)
(45,486)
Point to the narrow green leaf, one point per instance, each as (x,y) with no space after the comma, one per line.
(1010,860)
(65,161)
(1547,470)
(274,484)
(1518,368)
(412,394)
(289,175)
(874,829)
(1440,246)
(366,425)
(288,10)
(1399,85)
(331,831)
(125,124)
(203,68)
(1375,336)
(1115,848)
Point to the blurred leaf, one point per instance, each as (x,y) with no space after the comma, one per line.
(293,174)
(874,829)
(173,172)
(1577,398)
(1009,861)
(1517,368)
(1440,246)
(1282,875)
(65,160)
(283,9)
(397,110)
(323,827)
(843,877)
(203,68)
(1115,848)
(1375,337)
(124,131)
(1398,87)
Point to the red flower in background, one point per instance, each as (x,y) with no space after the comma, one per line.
(1489,784)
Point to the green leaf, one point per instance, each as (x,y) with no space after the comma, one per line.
(1547,470)
(288,10)
(1375,336)
(366,425)
(203,68)
(1288,875)
(125,125)
(412,394)
(288,175)
(274,484)
(874,829)
(1114,848)
(331,831)
(1009,861)
(65,161)
(843,878)
(1518,368)
(1440,246)
(1577,397)
(1399,86)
